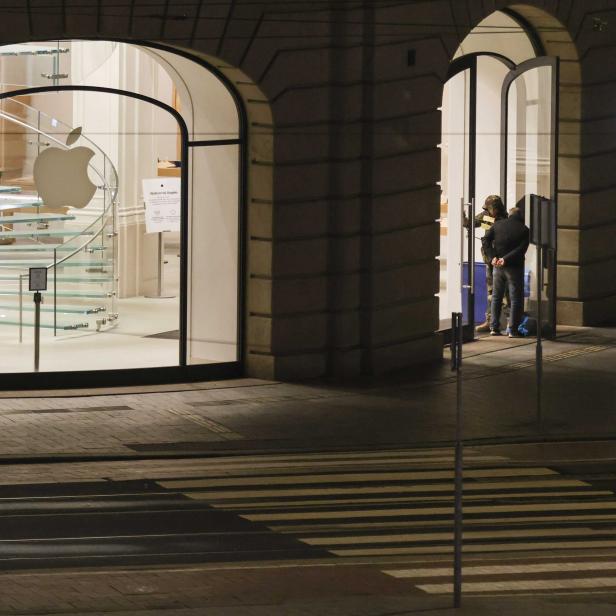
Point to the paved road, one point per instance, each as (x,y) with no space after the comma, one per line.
(536,519)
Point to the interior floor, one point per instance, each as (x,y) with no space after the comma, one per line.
(143,337)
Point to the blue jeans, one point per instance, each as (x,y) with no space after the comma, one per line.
(509,277)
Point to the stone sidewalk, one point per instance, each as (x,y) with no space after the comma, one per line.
(211,591)
(252,415)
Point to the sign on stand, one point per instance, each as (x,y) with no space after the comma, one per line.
(163,201)
(37,282)
(37,279)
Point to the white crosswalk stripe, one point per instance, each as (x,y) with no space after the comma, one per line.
(393,504)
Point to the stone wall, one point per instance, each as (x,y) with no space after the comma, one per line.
(342,101)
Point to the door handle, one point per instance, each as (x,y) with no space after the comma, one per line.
(471,233)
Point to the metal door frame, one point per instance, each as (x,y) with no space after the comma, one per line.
(459,65)
(550,254)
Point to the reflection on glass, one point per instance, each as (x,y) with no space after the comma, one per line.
(454,191)
(529,156)
(213,255)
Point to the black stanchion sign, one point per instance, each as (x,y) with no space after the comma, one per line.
(37,283)
(542,222)
(38,279)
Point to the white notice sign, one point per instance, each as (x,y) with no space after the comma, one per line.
(163,201)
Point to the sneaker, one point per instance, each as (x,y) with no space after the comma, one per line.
(483,328)
(515,335)
(495,332)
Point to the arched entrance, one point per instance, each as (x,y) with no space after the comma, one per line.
(500,137)
(157,292)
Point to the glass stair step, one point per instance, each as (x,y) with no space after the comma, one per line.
(63,326)
(15,202)
(62,278)
(6,220)
(17,263)
(29,307)
(76,294)
(47,248)
(35,233)
(10,189)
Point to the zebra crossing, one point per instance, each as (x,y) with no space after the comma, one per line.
(579,576)
(379,507)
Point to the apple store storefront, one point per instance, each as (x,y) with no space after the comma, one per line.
(121,199)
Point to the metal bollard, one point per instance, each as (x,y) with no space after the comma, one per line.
(37,329)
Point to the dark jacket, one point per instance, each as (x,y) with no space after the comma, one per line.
(480,220)
(507,239)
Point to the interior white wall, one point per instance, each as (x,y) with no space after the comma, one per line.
(167,129)
(213,255)
(490,76)
(98,114)
(455,170)
(206,105)
(136,135)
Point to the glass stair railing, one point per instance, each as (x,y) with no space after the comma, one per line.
(78,249)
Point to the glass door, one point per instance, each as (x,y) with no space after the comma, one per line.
(455,165)
(529,161)
(470,173)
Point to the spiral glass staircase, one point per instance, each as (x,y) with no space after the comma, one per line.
(77,246)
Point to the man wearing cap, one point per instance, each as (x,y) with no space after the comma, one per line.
(493,210)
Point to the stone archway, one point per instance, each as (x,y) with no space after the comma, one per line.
(577,276)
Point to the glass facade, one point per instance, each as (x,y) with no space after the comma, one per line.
(121,171)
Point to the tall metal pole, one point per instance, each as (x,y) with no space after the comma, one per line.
(457,326)
(37,330)
(55,292)
(471,266)
(21,308)
(539,346)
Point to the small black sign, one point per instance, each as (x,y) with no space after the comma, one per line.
(38,279)
(542,222)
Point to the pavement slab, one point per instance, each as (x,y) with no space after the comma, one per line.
(414,407)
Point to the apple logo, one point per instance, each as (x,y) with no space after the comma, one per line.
(61,176)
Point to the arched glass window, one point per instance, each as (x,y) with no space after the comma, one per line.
(122,176)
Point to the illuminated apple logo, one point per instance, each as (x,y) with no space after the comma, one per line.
(61,176)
